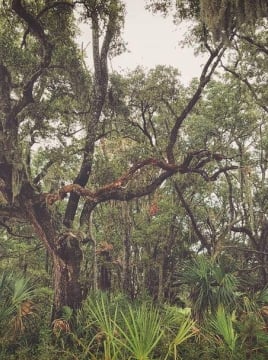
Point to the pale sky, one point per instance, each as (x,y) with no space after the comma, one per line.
(153,40)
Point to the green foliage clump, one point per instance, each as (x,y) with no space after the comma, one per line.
(112,327)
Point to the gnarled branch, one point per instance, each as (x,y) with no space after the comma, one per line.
(118,189)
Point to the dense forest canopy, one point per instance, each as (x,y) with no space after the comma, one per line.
(133,183)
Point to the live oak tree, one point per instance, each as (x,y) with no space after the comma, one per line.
(44,86)
(45,89)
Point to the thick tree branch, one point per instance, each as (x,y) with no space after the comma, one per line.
(122,194)
(119,190)
(230,195)
(109,36)
(99,94)
(115,190)
(42,223)
(44,11)
(246,231)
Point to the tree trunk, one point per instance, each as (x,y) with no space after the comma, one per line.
(127,273)
(105,276)
(65,253)
(160,295)
(66,270)
(164,261)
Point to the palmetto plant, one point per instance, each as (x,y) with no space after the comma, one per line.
(211,285)
(186,330)
(99,318)
(6,306)
(140,331)
(222,324)
(15,301)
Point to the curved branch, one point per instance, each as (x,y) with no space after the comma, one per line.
(246,231)
(189,212)
(230,195)
(117,189)
(214,176)
(261,47)
(43,172)
(38,32)
(99,94)
(122,194)
(248,85)
(205,77)
(43,11)
(10,232)
(203,157)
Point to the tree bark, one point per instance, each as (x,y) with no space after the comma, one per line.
(65,252)
(127,273)
(66,271)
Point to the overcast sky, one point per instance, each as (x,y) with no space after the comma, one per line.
(152,40)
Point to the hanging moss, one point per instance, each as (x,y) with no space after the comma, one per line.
(222,16)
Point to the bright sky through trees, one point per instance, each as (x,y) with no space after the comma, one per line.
(152,40)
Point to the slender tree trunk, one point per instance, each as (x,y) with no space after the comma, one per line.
(160,295)
(127,275)
(164,263)
(95,262)
(105,276)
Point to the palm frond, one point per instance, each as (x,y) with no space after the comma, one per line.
(222,324)
(141,332)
